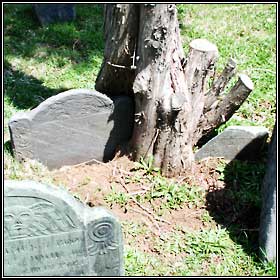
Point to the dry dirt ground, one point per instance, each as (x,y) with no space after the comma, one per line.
(91,183)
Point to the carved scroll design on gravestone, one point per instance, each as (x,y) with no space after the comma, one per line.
(102,246)
(47,232)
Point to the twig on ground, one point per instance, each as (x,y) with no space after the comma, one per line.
(141,206)
(250,229)
(88,162)
(86,199)
(180,181)
(114,170)
(155,223)
(138,192)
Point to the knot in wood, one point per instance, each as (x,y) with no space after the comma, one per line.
(157,34)
(160,33)
(155,44)
(171,8)
(177,101)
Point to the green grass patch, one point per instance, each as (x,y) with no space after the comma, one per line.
(115,197)
(209,252)
(167,193)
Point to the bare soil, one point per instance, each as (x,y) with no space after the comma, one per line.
(91,183)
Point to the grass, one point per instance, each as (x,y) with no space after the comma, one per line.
(41,62)
(209,252)
(115,197)
(242,179)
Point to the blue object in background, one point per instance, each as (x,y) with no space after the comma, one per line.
(54,13)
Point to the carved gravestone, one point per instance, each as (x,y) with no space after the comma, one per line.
(54,13)
(47,232)
(235,142)
(268,231)
(72,127)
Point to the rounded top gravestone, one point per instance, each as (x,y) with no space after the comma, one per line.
(72,127)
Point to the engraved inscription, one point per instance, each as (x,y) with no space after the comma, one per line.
(57,254)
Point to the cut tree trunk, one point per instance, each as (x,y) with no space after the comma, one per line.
(173,106)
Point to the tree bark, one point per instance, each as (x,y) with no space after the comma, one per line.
(162,109)
(173,106)
(117,73)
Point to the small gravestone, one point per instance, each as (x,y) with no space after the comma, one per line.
(235,142)
(47,232)
(267,234)
(54,13)
(72,127)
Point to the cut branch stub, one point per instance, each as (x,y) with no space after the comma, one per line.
(219,85)
(225,108)
(201,60)
(234,99)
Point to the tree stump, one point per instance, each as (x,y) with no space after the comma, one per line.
(174,108)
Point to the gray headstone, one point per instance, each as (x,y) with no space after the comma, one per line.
(54,13)
(47,232)
(72,127)
(235,142)
(267,234)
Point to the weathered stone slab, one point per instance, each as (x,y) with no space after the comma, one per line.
(72,127)
(235,142)
(47,232)
(267,234)
(54,13)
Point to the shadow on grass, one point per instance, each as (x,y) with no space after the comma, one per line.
(8,147)
(237,206)
(76,40)
(79,41)
(24,91)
